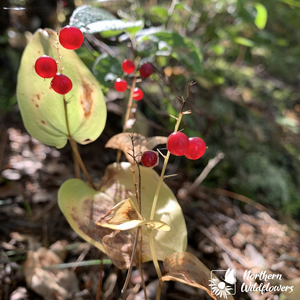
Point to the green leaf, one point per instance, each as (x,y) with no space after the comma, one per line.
(181,48)
(261,16)
(83,206)
(93,19)
(107,69)
(42,109)
(244,42)
(159,12)
(86,14)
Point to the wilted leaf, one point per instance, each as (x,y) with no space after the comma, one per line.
(83,206)
(55,285)
(42,108)
(187,268)
(122,141)
(124,216)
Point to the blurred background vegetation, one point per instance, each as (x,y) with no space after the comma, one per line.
(244,56)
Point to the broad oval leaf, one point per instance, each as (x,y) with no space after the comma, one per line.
(188,269)
(261,16)
(83,206)
(42,108)
(93,19)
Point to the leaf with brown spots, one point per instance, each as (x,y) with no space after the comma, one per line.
(188,269)
(122,141)
(124,216)
(42,109)
(83,206)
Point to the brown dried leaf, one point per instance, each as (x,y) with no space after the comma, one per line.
(122,141)
(187,268)
(124,216)
(56,284)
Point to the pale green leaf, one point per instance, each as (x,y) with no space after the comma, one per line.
(42,109)
(93,20)
(82,206)
(243,41)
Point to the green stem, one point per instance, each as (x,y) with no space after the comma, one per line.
(71,139)
(153,253)
(161,178)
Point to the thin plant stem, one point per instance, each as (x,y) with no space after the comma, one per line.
(153,253)
(71,139)
(161,178)
(131,264)
(129,105)
(82,166)
(158,292)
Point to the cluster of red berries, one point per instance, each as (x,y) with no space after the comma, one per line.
(128,67)
(45,66)
(179,144)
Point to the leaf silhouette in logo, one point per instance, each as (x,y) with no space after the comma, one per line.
(230,276)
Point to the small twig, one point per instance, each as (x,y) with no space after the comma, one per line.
(236,196)
(211,164)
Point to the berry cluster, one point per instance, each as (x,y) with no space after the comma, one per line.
(45,66)
(128,67)
(179,144)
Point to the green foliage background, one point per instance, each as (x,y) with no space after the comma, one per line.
(244,57)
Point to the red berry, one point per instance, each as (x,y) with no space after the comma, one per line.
(178,143)
(61,84)
(120,85)
(71,37)
(146,70)
(196,149)
(138,94)
(150,159)
(45,66)
(128,66)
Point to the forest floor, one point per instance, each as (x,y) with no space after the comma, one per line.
(223,231)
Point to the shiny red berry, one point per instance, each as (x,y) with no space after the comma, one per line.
(150,159)
(146,70)
(128,66)
(196,148)
(71,37)
(138,94)
(178,143)
(45,66)
(61,84)
(120,85)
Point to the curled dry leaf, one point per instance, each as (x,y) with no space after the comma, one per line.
(124,216)
(187,268)
(122,141)
(51,284)
(83,206)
